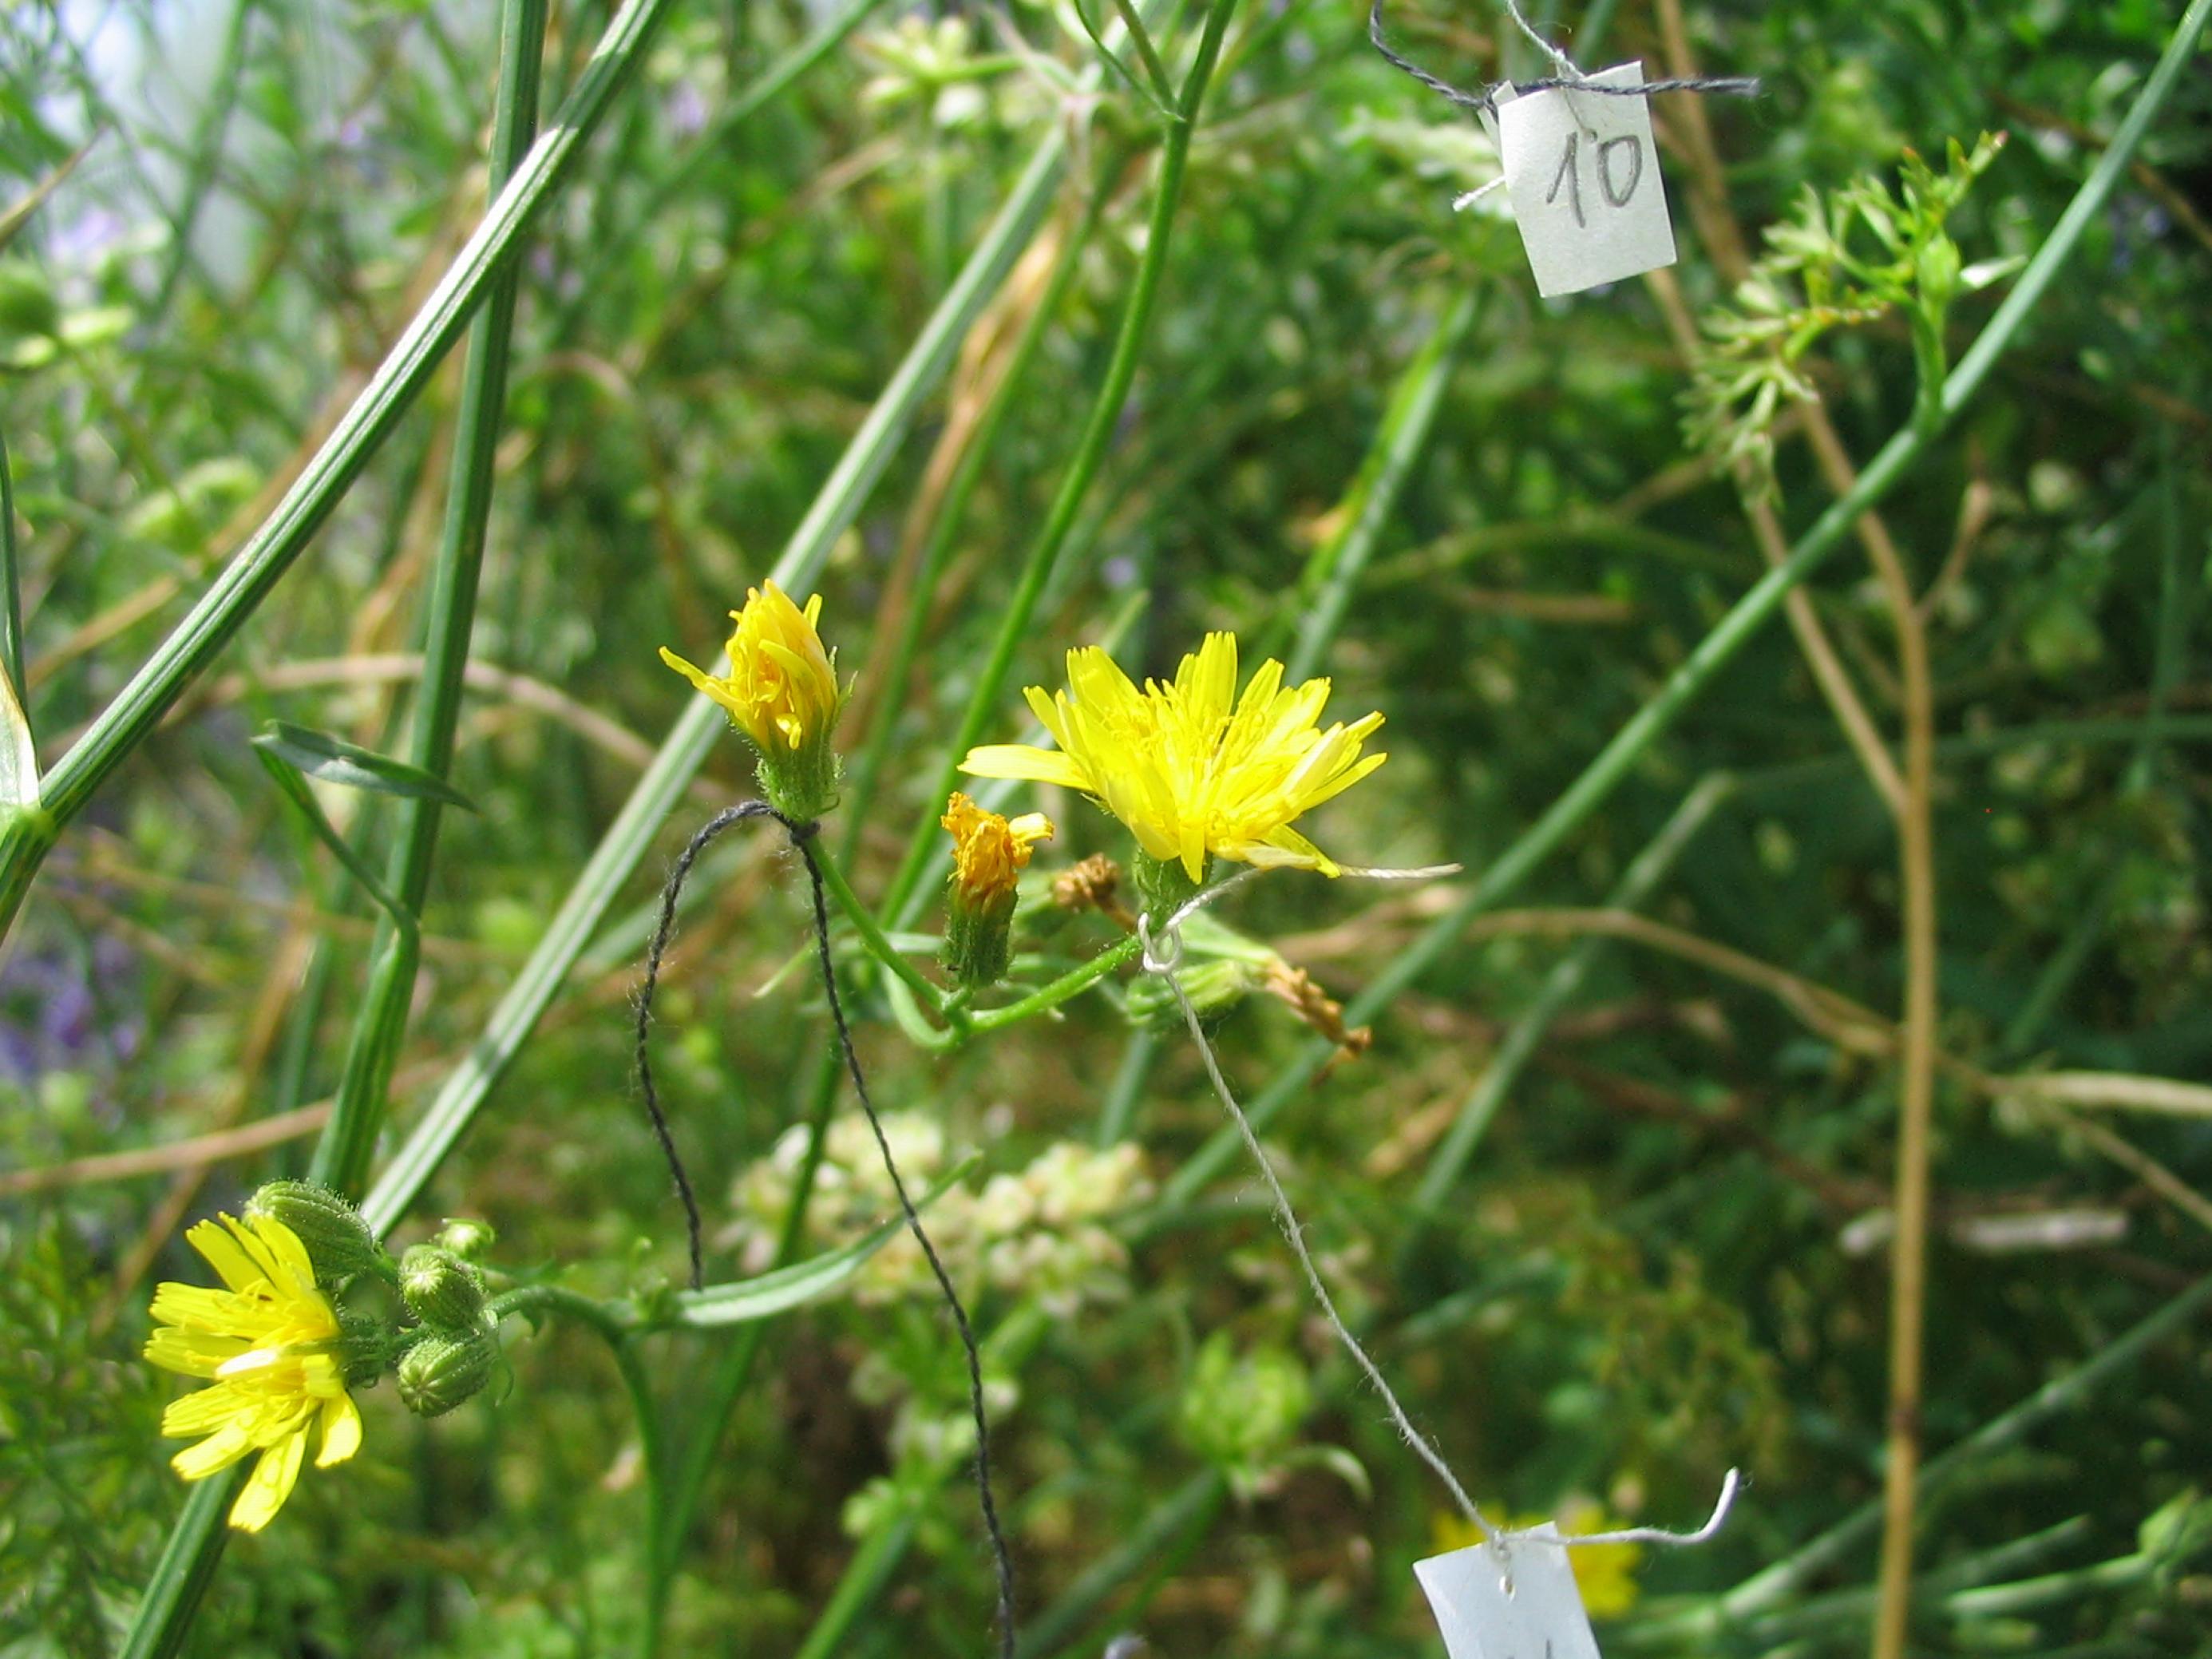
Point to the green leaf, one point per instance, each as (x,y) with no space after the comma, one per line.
(774,1293)
(333,760)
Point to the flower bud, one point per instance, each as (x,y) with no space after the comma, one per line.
(439,1372)
(782,692)
(1213,988)
(338,1241)
(469,1240)
(442,1291)
(988,855)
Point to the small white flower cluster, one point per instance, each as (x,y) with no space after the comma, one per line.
(1037,1234)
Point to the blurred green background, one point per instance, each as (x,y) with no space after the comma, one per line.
(1664,1252)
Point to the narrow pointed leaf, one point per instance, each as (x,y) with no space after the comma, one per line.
(333,760)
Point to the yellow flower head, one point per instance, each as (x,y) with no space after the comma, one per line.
(988,851)
(270,1342)
(782,692)
(1191,768)
(1604,1573)
(781,689)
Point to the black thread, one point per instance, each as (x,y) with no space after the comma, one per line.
(669,894)
(1001,1560)
(1740,86)
(802,837)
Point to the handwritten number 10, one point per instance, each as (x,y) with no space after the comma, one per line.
(1571,175)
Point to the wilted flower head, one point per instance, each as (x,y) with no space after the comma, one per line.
(782,692)
(990,852)
(270,1344)
(1190,767)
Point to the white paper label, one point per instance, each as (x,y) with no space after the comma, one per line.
(1583,177)
(1519,1602)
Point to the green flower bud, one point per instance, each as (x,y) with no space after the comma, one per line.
(442,1291)
(468,1240)
(1213,988)
(439,1372)
(365,1347)
(338,1241)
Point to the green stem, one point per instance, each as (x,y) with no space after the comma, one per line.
(165,1613)
(952,516)
(1325,589)
(1821,1555)
(1184,1513)
(138,708)
(733,1369)
(865,1575)
(701,724)
(1649,868)
(871,935)
(1067,986)
(341,1160)
(1083,467)
(1620,757)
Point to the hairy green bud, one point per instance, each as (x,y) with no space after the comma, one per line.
(442,1291)
(466,1239)
(1213,988)
(440,1372)
(339,1242)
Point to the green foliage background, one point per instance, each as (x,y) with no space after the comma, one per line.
(1659,1262)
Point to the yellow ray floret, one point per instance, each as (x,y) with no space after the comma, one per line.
(990,852)
(781,689)
(268,1343)
(1190,767)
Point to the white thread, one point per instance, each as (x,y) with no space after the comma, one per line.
(1162,955)
(1460,204)
(1566,65)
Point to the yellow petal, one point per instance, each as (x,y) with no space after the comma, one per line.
(274,1477)
(1022,760)
(232,1265)
(341,1431)
(217,1452)
(192,1353)
(195,1307)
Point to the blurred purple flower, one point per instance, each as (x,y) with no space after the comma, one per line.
(81,239)
(53,1017)
(686,108)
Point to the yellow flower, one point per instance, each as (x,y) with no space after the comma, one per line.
(988,851)
(270,1341)
(782,692)
(1604,1573)
(1191,768)
(988,855)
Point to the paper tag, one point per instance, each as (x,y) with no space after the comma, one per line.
(1582,173)
(1515,1603)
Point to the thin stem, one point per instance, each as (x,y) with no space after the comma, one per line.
(164,1616)
(1083,467)
(1067,986)
(139,707)
(952,515)
(862,1580)
(701,725)
(871,935)
(1614,763)
(341,1160)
